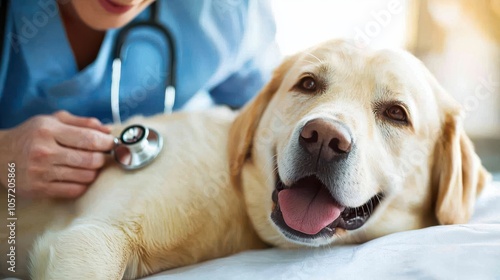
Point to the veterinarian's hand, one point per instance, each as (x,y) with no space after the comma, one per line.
(56,155)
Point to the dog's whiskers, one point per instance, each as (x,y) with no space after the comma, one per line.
(313,63)
(319,60)
(369,207)
(273,160)
(270,177)
(378,198)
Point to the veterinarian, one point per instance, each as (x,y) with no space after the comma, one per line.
(58,55)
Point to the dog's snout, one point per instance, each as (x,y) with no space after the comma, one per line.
(327,139)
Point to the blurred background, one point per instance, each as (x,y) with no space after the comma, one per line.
(458,40)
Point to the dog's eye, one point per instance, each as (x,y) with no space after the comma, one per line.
(396,113)
(307,84)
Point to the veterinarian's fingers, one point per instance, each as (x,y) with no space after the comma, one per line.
(84,138)
(80,159)
(70,119)
(73,175)
(65,190)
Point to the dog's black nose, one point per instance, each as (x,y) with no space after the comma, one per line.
(327,139)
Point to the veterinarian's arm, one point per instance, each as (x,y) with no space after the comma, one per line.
(56,155)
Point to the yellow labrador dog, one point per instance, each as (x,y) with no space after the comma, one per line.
(342,146)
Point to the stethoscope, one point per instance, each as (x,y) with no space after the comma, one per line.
(138,145)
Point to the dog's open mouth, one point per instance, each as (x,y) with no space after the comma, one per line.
(307,209)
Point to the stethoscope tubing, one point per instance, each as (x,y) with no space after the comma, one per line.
(140,149)
(170,81)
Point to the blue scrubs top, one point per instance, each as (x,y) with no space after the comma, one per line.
(224,47)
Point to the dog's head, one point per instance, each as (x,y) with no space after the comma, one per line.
(345,145)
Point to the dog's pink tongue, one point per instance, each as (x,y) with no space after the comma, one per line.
(308,209)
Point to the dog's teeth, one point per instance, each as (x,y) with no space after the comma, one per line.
(329,229)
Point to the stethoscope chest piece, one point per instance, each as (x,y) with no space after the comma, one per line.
(137,147)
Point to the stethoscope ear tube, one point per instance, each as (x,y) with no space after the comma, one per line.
(170,81)
(116,73)
(169,99)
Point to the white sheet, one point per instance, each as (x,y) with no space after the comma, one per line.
(470,251)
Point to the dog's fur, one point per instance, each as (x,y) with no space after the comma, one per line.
(209,192)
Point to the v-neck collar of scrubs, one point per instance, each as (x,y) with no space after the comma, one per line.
(62,73)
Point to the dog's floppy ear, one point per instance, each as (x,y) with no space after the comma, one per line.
(458,173)
(243,128)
